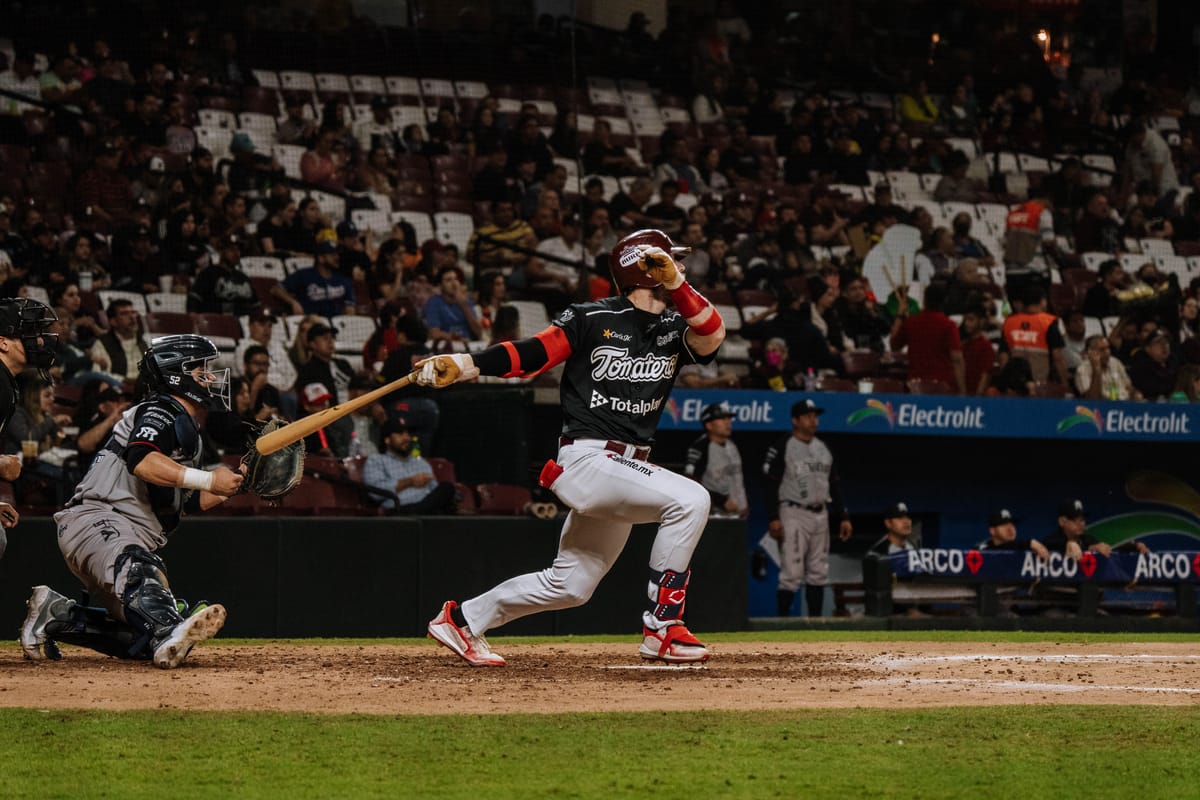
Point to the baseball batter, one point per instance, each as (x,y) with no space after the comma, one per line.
(801,486)
(621,357)
(131,499)
(24,342)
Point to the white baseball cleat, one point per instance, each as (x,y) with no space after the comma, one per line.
(202,625)
(34,642)
(673,644)
(471,648)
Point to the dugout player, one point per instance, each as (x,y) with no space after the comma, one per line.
(131,499)
(715,462)
(621,355)
(802,485)
(24,342)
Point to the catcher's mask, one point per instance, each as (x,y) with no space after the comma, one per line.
(626,255)
(29,320)
(182,365)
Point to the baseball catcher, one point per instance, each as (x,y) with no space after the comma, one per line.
(272,477)
(142,482)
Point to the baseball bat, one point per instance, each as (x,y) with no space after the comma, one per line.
(295,431)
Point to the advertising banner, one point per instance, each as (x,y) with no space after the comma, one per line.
(1026,567)
(945,415)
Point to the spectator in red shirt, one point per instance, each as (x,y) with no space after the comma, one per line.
(934,349)
(979,354)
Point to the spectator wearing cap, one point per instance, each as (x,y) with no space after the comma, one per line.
(897,526)
(803,498)
(353,260)
(713,461)
(261,325)
(200,179)
(738,225)
(222,288)
(295,128)
(1072,539)
(378,131)
(323,366)
(450,315)
(1154,367)
(332,441)
(100,408)
(398,471)
(1002,535)
(319,289)
(104,189)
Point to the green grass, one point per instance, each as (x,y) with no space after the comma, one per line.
(1022,752)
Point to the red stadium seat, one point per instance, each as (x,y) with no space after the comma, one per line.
(443,469)
(860,363)
(465,500)
(168,322)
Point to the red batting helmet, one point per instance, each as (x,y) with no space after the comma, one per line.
(623,261)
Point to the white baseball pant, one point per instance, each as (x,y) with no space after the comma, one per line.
(804,551)
(608,493)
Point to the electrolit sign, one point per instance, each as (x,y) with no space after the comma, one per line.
(931,418)
(752,413)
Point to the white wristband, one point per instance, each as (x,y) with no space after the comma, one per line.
(197,479)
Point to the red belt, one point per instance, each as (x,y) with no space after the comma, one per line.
(638,454)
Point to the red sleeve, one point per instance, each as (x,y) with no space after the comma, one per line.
(952,332)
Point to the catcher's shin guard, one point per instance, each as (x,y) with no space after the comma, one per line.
(150,608)
(94,629)
(668,594)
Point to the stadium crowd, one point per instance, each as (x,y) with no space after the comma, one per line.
(947,226)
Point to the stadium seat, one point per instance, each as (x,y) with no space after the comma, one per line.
(443,469)
(836,385)
(503,499)
(263,267)
(167,301)
(167,322)
(422,223)
(465,499)
(223,329)
(352,332)
(888,386)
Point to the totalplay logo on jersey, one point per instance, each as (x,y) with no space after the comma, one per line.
(636,407)
(615,364)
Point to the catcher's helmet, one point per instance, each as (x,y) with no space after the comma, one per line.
(623,261)
(181,364)
(28,320)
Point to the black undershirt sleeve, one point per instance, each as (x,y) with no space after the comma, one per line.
(496,360)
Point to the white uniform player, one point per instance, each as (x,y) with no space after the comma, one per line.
(141,483)
(621,357)
(802,491)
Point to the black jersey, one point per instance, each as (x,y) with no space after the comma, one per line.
(622,366)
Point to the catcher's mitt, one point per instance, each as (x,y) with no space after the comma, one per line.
(273,476)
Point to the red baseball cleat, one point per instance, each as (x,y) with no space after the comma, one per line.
(673,644)
(471,648)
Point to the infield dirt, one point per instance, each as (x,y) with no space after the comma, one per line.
(554,678)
